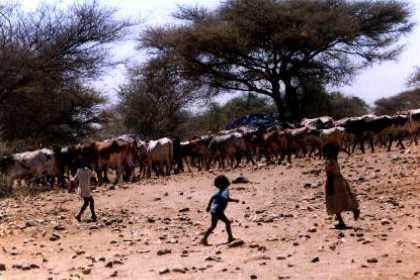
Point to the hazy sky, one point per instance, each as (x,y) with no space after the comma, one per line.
(380,80)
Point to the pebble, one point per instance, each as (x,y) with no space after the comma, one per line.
(2,267)
(163,252)
(54,237)
(59,227)
(164,271)
(179,270)
(312,229)
(236,243)
(213,258)
(385,222)
(315,260)
(372,260)
(86,270)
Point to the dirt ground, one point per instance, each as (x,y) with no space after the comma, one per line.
(151,229)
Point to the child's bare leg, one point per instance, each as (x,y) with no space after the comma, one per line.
(84,206)
(92,209)
(228,227)
(213,225)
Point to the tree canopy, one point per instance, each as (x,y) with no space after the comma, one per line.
(271,47)
(48,57)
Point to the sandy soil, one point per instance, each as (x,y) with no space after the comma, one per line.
(151,229)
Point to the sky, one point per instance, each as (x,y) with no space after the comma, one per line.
(380,80)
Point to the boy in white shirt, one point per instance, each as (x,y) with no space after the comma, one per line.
(83,177)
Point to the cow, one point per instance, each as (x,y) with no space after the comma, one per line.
(178,155)
(413,124)
(336,135)
(116,153)
(297,140)
(39,163)
(141,157)
(312,141)
(276,143)
(160,154)
(231,146)
(397,130)
(66,158)
(361,129)
(198,150)
(318,123)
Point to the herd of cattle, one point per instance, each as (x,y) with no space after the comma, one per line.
(133,158)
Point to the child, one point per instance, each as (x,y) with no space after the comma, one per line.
(338,194)
(217,206)
(83,176)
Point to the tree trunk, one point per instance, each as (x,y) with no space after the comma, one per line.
(278,100)
(291,100)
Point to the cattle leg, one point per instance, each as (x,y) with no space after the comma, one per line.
(267,155)
(372,146)
(99,174)
(149,167)
(400,143)
(249,158)
(161,170)
(362,145)
(282,157)
(238,156)
(118,171)
(289,157)
(187,164)
(168,166)
(105,174)
(51,180)
(391,139)
(10,182)
(222,161)
(356,141)
(345,150)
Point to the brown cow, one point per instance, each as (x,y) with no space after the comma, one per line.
(276,143)
(198,149)
(118,154)
(297,140)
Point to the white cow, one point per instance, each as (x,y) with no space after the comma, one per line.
(38,163)
(160,152)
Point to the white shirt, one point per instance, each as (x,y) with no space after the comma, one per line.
(84,175)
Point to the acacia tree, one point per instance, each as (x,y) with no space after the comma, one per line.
(48,57)
(269,46)
(154,101)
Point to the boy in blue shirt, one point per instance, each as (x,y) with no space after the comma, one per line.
(217,206)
